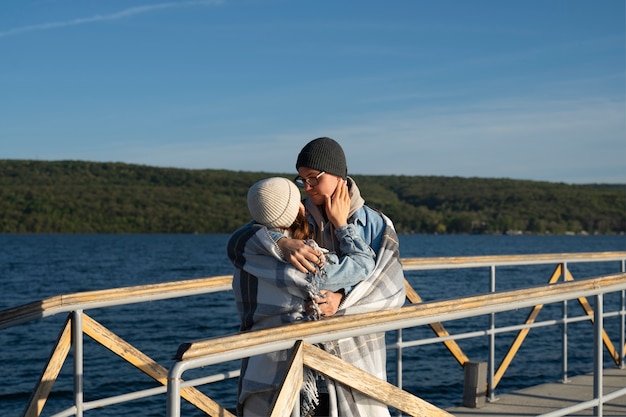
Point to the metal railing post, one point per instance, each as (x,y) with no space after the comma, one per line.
(623,331)
(77,344)
(623,324)
(399,363)
(399,358)
(598,366)
(174,378)
(492,338)
(564,340)
(564,362)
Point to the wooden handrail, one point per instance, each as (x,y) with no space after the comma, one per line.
(114,296)
(305,354)
(90,299)
(380,390)
(498,301)
(430,314)
(467,261)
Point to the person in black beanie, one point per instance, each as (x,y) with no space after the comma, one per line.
(323,174)
(323,169)
(324,154)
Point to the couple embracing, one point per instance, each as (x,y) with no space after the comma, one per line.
(299,260)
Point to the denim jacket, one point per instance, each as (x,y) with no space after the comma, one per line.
(364,230)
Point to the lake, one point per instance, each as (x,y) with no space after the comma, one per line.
(33,267)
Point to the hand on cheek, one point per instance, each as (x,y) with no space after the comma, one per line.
(338,205)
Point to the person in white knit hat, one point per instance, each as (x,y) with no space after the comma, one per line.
(276,204)
(271,292)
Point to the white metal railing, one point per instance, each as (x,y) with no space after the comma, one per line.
(561,274)
(77,303)
(208,352)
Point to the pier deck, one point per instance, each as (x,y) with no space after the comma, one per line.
(549,397)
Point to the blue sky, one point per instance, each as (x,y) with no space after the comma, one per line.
(530,89)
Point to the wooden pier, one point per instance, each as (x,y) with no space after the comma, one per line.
(546,398)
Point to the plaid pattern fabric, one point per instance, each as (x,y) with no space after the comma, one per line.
(383,289)
(270,292)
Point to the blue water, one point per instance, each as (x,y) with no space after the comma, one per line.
(33,267)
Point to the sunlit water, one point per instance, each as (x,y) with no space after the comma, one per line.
(33,267)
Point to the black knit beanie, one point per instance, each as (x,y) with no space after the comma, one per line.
(323,154)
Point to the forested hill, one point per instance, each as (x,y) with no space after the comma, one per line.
(89,197)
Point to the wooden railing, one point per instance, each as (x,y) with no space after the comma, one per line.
(210,351)
(79,323)
(305,354)
(416,314)
(560,272)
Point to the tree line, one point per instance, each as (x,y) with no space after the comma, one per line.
(95,197)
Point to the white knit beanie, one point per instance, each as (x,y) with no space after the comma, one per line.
(274,202)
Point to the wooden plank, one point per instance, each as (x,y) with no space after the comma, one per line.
(444,262)
(331,325)
(438,328)
(605,336)
(147,290)
(291,384)
(368,384)
(521,335)
(28,311)
(411,294)
(47,306)
(51,371)
(148,366)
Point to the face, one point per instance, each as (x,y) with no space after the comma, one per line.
(326,184)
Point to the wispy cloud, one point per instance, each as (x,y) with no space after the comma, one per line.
(126,13)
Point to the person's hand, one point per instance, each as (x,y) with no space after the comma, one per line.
(329,303)
(338,205)
(301,255)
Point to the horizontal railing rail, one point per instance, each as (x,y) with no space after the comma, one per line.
(216,350)
(421,314)
(450,262)
(112,297)
(79,323)
(561,271)
(142,293)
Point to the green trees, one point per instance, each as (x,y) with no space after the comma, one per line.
(88,197)
(478,205)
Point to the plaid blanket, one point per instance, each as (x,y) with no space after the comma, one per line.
(383,289)
(270,292)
